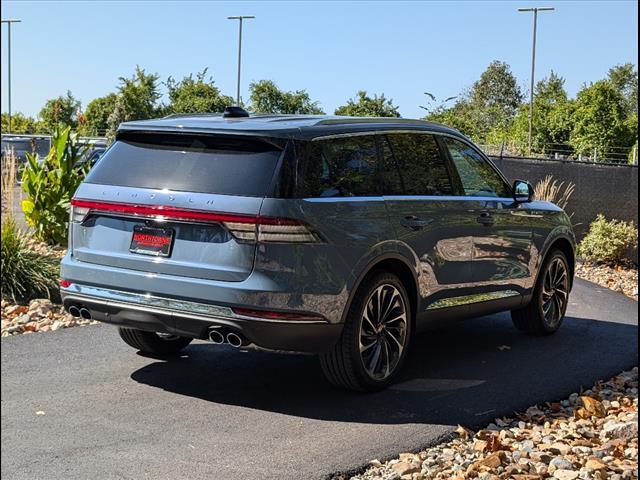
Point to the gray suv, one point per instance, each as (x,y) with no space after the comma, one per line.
(330,235)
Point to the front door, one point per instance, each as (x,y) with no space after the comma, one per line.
(503,236)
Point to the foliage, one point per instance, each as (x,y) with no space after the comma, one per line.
(550,190)
(488,108)
(599,119)
(365,106)
(552,120)
(197,95)
(632,152)
(20,123)
(137,99)
(25,274)
(266,97)
(9,176)
(608,240)
(624,79)
(49,184)
(96,115)
(60,112)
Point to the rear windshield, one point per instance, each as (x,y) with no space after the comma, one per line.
(188,163)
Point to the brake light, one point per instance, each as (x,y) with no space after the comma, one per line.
(65,283)
(245,228)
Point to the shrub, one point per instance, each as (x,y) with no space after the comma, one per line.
(26,274)
(608,240)
(50,183)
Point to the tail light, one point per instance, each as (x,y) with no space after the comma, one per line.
(244,228)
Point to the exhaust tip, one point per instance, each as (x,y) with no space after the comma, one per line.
(216,337)
(74,311)
(85,313)
(234,340)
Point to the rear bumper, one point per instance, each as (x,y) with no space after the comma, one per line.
(193,319)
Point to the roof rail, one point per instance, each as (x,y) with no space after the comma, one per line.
(355,120)
(182,115)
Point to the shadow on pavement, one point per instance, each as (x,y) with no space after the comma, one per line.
(467,374)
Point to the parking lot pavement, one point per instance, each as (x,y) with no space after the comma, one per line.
(107,412)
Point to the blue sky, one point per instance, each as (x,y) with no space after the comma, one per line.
(331,49)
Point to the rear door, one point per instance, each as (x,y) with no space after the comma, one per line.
(503,237)
(419,195)
(175,204)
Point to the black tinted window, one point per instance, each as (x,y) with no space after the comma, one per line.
(188,163)
(478,178)
(413,165)
(342,167)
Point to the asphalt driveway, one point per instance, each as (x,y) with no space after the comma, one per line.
(219,413)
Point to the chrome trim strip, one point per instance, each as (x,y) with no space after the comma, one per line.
(148,302)
(469,299)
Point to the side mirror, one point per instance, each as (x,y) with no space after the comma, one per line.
(522,191)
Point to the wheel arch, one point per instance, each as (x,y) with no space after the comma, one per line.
(566,245)
(399,266)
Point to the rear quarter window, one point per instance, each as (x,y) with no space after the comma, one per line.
(188,163)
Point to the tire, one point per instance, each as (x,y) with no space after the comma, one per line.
(153,343)
(345,366)
(545,313)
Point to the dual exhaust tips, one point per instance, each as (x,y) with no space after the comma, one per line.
(80,311)
(218,337)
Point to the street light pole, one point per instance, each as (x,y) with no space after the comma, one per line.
(9,22)
(533,61)
(240,18)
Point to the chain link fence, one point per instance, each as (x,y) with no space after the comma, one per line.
(611,155)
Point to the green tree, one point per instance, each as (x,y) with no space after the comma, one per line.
(60,112)
(20,123)
(96,115)
(487,109)
(366,106)
(551,119)
(137,99)
(197,95)
(599,120)
(266,97)
(624,79)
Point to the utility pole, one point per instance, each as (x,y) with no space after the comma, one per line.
(533,61)
(240,18)
(9,22)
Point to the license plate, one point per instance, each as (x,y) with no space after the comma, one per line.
(151,241)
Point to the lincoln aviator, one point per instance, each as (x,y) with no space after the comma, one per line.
(336,236)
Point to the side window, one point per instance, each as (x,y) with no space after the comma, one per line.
(418,169)
(477,176)
(343,167)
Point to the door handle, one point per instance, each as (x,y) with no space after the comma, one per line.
(485,218)
(414,223)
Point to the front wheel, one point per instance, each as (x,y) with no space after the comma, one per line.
(545,312)
(153,343)
(375,338)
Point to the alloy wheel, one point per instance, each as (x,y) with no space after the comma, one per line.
(383,332)
(555,292)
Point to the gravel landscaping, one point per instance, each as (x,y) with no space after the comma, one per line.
(591,435)
(620,278)
(40,315)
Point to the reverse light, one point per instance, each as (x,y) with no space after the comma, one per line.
(78,214)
